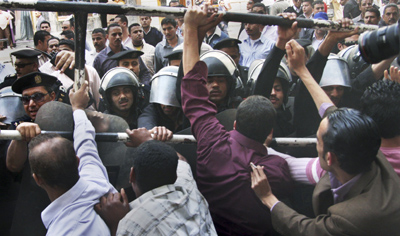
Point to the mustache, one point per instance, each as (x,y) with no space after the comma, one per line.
(123,100)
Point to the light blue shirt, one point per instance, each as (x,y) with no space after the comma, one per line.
(72,213)
(259,50)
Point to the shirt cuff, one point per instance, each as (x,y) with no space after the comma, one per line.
(274,205)
(323,108)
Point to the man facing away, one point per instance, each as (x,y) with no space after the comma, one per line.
(168,202)
(223,158)
(73,179)
(358,195)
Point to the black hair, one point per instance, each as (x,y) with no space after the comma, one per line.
(374,10)
(55,163)
(390,5)
(133,25)
(381,102)
(354,138)
(255,118)
(99,30)
(69,43)
(260,5)
(112,25)
(317,2)
(69,34)
(155,165)
(53,37)
(309,1)
(123,18)
(40,35)
(45,22)
(168,20)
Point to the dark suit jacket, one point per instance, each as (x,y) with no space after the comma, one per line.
(372,207)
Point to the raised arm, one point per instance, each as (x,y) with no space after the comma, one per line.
(295,54)
(91,167)
(265,79)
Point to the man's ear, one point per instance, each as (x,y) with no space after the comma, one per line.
(340,46)
(331,158)
(234,125)
(132,176)
(52,96)
(39,181)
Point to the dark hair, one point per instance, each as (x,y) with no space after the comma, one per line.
(260,5)
(133,25)
(172,1)
(381,102)
(99,30)
(69,34)
(123,18)
(45,22)
(40,35)
(168,20)
(112,25)
(69,43)
(374,10)
(255,118)
(55,162)
(53,37)
(317,2)
(354,138)
(309,1)
(155,165)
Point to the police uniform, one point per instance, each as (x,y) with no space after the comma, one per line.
(23,53)
(228,43)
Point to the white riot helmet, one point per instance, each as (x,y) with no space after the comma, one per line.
(119,76)
(163,87)
(10,105)
(221,64)
(336,72)
(283,74)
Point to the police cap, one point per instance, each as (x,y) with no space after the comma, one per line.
(31,80)
(128,54)
(26,53)
(227,43)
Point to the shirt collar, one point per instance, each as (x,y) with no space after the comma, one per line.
(248,142)
(340,190)
(56,207)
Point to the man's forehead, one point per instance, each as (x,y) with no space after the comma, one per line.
(95,35)
(129,60)
(37,89)
(115,29)
(169,25)
(135,28)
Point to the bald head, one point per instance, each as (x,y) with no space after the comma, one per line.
(53,160)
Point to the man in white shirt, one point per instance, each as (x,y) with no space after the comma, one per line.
(73,179)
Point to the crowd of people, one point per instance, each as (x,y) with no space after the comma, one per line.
(280,81)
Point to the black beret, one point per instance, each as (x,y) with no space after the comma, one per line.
(31,80)
(26,53)
(227,43)
(128,54)
(175,55)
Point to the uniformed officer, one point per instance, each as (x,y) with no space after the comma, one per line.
(231,47)
(26,62)
(130,59)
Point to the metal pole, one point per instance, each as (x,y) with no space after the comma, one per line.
(80,40)
(172,11)
(177,138)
